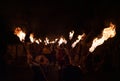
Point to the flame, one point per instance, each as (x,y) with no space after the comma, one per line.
(46,41)
(62,40)
(37,41)
(71,34)
(40,40)
(32,37)
(18,31)
(80,37)
(106,34)
(56,39)
(52,42)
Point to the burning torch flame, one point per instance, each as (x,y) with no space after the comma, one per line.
(46,41)
(32,37)
(62,40)
(37,41)
(106,34)
(80,37)
(71,34)
(40,40)
(54,41)
(18,31)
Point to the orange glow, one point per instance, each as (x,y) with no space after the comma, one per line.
(80,37)
(32,37)
(52,42)
(46,41)
(40,40)
(107,33)
(71,34)
(62,40)
(37,41)
(18,31)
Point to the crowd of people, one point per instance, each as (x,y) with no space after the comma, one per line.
(68,61)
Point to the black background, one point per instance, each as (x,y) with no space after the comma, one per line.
(59,17)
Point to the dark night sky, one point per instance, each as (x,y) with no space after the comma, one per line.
(59,17)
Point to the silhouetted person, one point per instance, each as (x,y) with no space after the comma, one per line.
(38,65)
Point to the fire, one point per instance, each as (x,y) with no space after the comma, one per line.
(18,31)
(54,41)
(46,41)
(37,41)
(80,37)
(40,40)
(32,37)
(71,34)
(62,40)
(106,34)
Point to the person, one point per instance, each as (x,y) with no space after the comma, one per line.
(38,65)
